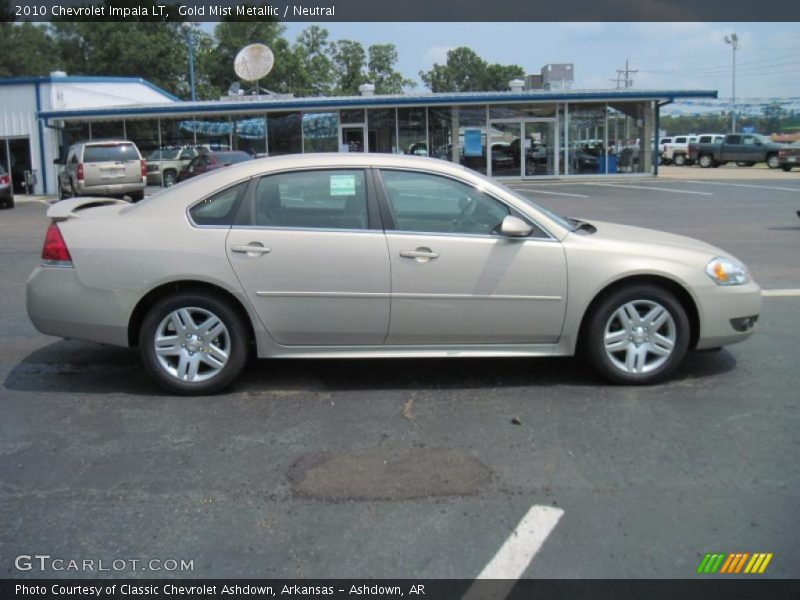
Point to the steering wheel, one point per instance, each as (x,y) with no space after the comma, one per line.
(467,211)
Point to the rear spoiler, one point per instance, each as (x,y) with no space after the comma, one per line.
(67,209)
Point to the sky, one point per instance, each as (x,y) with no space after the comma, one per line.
(666,55)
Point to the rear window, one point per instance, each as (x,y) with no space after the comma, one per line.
(110,153)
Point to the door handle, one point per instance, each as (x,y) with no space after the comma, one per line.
(253,248)
(420,254)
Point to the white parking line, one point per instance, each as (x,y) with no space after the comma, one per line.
(642,187)
(516,553)
(780,293)
(539,191)
(744,185)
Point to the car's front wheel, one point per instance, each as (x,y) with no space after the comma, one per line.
(169,178)
(637,335)
(705,161)
(193,343)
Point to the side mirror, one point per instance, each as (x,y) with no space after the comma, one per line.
(515,227)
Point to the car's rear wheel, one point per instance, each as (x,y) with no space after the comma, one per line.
(786,168)
(637,335)
(193,343)
(136,196)
(679,160)
(705,161)
(773,162)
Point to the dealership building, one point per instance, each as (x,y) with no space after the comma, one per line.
(517,134)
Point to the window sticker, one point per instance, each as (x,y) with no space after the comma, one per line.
(343,185)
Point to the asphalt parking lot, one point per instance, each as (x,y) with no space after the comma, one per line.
(411,468)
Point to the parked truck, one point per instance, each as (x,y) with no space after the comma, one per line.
(745,149)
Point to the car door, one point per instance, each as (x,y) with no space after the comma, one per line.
(752,149)
(455,279)
(312,258)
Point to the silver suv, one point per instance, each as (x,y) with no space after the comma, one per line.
(103,168)
(164,164)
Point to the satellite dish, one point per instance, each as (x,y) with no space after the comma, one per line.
(253,62)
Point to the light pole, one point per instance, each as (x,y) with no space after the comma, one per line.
(733,40)
(188,29)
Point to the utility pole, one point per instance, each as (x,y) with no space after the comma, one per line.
(733,40)
(627,72)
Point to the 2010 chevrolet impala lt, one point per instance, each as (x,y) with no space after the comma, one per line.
(344,255)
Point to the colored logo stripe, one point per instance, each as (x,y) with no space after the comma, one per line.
(734,563)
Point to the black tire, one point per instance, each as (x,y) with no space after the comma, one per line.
(72,192)
(705,161)
(679,159)
(643,297)
(786,168)
(773,162)
(61,194)
(8,202)
(169,178)
(136,196)
(236,344)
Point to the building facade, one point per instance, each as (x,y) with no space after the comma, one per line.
(516,134)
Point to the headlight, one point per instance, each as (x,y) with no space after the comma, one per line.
(727,271)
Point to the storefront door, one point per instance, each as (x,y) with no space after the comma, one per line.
(353,137)
(523,148)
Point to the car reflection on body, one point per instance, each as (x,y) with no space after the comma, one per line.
(354,256)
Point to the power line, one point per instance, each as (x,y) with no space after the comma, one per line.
(627,81)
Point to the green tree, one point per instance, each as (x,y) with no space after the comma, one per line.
(28,50)
(381,72)
(232,36)
(153,50)
(348,66)
(465,71)
(313,74)
(773,115)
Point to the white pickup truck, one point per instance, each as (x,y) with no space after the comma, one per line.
(675,151)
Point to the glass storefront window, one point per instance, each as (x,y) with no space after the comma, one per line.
(321,132)
(413,134)
(212,132)
(250,134)
(352,116)
(440,128)
(108,130)
(144,133)
(522,111)
(587,140)
(382,130)
(284,133)
(173,134)
(472,137)
(73,133)
(627,138)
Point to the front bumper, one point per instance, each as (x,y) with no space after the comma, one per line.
(59,304)
(723,311)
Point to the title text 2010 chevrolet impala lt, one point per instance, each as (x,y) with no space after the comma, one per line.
(340,255)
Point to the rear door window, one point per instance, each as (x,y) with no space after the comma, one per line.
(110,153)
(219,209)
(324,199)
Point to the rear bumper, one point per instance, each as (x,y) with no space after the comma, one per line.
(111,189)
(5,192)
(723,310)
(59,304)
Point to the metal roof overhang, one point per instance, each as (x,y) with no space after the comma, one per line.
(222,107)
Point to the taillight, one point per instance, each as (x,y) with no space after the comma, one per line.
(144,168)
(54,250)
(79,172)
(5,179)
